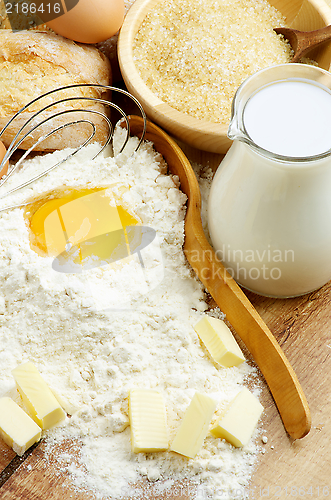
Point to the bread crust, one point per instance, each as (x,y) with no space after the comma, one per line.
(35,62)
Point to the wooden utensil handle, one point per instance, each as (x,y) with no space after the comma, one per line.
(278,373)
(316,37)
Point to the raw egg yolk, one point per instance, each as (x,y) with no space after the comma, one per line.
(82,226)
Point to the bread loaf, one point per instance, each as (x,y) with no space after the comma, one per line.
(35,62)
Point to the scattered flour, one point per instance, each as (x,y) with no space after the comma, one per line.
(92,356)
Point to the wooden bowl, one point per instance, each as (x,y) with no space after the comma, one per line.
(305,15)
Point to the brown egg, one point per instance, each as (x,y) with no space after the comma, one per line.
(89,21)
(3,151)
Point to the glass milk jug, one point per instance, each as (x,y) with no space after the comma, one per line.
(269,209)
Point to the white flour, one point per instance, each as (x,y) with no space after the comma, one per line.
(91,357)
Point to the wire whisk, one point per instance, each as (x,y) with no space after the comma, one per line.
(27,129)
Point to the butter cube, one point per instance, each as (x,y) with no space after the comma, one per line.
(94,214)
(194,426)
(219,341)
(148,421)
(39,400)
(239,419)
(17,429)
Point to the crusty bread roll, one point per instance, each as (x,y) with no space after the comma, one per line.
(35,62)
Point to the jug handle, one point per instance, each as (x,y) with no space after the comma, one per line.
(278,373)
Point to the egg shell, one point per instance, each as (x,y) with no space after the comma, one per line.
(90,21)
(3,151)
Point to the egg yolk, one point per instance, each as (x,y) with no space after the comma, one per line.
(86,227)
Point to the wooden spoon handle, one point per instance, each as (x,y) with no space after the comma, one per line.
(316,37)
(304,41)
(278,373)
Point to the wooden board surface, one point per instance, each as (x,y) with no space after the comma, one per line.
(302,327)
(6,455)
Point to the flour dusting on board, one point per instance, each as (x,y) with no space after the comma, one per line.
(91,357)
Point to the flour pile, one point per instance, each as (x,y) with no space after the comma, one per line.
(91,356)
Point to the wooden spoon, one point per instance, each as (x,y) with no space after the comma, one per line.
(304,41)
(278,373)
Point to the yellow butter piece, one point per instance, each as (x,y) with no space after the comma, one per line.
(89,216)
(219,341)
(239,419)
(39,400)
(51,228)
(194,426)
(85,228)
(148,421)
(17,429)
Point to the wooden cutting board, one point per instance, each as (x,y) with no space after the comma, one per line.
(287,468)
